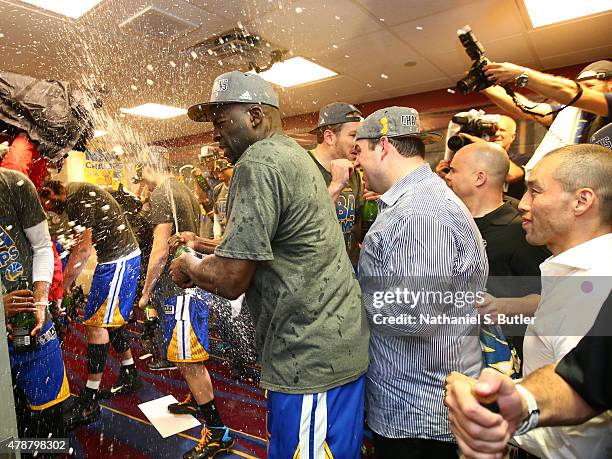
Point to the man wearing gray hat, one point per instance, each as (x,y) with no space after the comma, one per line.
(335,157)
(283,247)
(423,242)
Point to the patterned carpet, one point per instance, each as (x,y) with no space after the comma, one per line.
(124,432)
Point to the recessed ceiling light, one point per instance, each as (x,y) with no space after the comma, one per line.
(296,71)
(158,111)
(99,133)
(71,8)
(546,12)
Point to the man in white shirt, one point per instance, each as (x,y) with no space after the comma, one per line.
(568,208)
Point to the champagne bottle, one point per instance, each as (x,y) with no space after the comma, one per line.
(147,312)
(201,181)
(368,215)
(181,249)
(23,323)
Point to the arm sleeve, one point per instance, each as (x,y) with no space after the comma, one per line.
(254,208)
(42,260)
(588,367)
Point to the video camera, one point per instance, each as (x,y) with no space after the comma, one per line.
(475,80)
(474,122)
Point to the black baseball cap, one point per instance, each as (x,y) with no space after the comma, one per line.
(337,113)
(602,70)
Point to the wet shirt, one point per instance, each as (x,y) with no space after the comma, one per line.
(348,208)
(92,207)
(188,218)
(19,209)
(310,326)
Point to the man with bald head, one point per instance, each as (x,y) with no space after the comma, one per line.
(504,137)
(477,175)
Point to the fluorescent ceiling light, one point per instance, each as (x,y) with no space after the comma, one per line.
(155,111)
(296,71)
(546,12)
(99,133)
(71,8)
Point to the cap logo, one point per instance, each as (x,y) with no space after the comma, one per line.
(409,120)
(222,84)
(246,95)
(384,122)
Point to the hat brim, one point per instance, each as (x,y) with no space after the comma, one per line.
(200,112)
(426,137)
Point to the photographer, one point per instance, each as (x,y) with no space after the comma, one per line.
(504,136)
(596,97)
(586,102)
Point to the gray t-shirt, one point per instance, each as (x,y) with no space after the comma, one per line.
(19,209)
(311,329)
(188,216)
(92,207)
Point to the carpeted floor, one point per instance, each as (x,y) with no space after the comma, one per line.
(124,432)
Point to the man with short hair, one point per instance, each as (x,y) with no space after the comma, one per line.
(99,221)
(423,239)
(335,157)
(477,175)
(568,208)
(284,248)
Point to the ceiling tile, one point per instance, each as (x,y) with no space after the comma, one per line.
(318,27)
(570,37)
(489,21)
(395,12)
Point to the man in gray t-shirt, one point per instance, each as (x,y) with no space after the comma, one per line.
(284,248)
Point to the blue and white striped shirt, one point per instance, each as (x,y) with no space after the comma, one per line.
(423,237)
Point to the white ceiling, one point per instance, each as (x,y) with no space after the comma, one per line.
(368,42)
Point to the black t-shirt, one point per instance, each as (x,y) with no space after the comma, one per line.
(588,367)
(508,252)
(92,207)
(188,218)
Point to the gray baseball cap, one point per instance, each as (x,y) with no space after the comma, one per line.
(337,113)
(394,122)
(235,87)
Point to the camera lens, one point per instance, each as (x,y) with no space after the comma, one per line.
(455,142)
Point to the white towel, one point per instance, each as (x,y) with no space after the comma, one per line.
(561,132)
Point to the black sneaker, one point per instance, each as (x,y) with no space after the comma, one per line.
(127,383)
(214,440)
(84,410)
(187,406)
(161,364)
(151,338)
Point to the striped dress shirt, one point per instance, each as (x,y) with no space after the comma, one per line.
(424,238)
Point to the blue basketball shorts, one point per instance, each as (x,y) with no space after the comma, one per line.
(40,373)
(112,293)
(327,425)
(186,328)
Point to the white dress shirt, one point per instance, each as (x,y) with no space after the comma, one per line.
(575,284)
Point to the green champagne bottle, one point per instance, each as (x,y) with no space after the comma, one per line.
(181,249)
(368,215)
(23,324)
(147,311)
(202,182)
